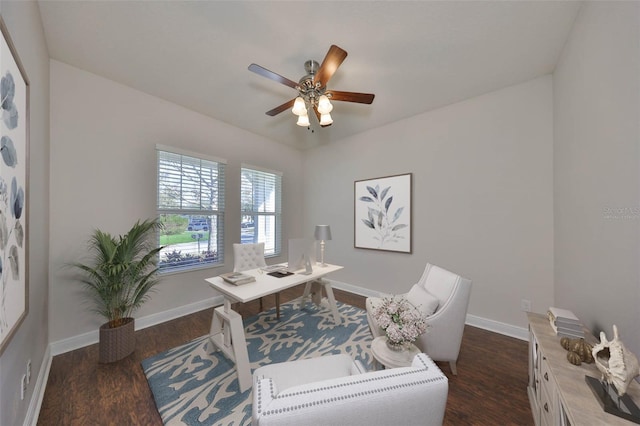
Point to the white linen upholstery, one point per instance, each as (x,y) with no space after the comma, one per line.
(424,301)
(334,390)
(446,325)
(248,256)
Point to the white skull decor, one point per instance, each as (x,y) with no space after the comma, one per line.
(617,365)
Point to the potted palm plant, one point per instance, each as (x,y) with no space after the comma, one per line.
(117,278)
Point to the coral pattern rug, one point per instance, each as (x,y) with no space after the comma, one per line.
(193,385)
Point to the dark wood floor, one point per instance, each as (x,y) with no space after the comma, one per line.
(490,388)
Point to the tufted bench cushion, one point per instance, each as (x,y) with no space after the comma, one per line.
(398,396)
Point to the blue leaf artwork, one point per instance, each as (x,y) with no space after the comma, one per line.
(8,151)
(382,221)
(17,199)
(9,110)
(14,146)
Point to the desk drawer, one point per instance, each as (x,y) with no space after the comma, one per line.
(547,394)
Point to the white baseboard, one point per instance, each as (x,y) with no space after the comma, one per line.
(354,289)
(521,333)
(92,337)
(475,321)
(38,390)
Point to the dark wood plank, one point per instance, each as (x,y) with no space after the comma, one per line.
(490,388)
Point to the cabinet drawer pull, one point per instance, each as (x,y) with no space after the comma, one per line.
(546,407)
(546,376)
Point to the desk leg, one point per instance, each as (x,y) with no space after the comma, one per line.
(227,335)
(332,301)
(305,295)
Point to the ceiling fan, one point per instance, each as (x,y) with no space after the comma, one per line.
(312,89)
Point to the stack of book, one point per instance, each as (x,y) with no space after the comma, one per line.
(565,323)
(237,278)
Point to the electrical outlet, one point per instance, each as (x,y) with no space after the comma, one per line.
(28,371)
(23,386)
(525,305)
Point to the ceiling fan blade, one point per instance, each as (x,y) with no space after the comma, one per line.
(329,65)
(272,75)
(361,98)
(285,106)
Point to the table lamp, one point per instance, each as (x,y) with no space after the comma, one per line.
(322,234)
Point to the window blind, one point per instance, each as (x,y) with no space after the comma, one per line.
(190,197)
(261,198)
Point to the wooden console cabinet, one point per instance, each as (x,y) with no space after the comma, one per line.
(558,392)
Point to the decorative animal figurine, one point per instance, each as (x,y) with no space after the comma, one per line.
(617,365)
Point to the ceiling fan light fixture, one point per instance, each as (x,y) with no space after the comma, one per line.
(325,119)
(312,87)
(299,107)
(303,121)
(324,106)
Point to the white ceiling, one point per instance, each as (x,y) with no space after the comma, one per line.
(415,56)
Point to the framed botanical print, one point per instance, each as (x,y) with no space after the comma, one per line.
(383,213)
(14,174)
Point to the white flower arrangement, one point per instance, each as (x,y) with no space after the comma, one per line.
(401,321)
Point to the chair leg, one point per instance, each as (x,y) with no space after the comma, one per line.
(454,369)
(261,304)
(278,305)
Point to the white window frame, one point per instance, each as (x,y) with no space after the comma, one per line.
(273,243)
(190,205)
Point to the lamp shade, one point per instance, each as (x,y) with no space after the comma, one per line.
(299,107)
(323,233)
(303,120)
(324,106)
(325,119)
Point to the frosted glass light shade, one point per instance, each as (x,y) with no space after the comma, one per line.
(325,119)
(324,106)
(303,120)
(299,107)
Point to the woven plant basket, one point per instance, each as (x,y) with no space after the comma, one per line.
(117,343)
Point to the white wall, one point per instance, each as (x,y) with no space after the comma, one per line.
(103,175)
(597,169)
(482,198)
(31,340)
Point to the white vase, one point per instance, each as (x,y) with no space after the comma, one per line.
(398,347)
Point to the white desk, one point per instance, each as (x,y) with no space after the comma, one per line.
(227,330)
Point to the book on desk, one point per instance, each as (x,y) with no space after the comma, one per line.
(237,278)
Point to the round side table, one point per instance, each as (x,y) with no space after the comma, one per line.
(390,358)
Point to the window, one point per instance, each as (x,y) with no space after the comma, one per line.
(261,215)
(191,208)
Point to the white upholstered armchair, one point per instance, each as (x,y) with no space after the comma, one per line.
(335,390)
(443,297)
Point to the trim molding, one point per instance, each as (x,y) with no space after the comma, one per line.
(354,289)
(521,333)
(33,411)
(92,337)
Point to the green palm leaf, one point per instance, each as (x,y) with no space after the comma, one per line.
(121,270)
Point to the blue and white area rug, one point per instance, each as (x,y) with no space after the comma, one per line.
(193,385)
